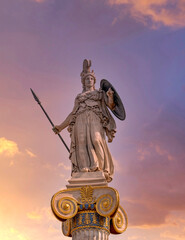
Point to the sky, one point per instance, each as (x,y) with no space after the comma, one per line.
(137,45)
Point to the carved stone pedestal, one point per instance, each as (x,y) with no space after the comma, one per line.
(89,211)
(81,179)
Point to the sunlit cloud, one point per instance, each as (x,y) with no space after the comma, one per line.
(18,234)
(173,236)
(30,153)
(143,153)
(12,233)
(38,214)
(148,226)
(64,166)
(34,215)
(162,152)
(146,151)
(8,147)
(173,219)
(154,12)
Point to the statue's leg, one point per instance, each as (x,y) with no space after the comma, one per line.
(81,143)
(97,138)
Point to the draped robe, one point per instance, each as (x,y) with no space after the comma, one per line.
(90,123)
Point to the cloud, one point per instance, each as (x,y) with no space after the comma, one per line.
(148,150)
(30,153)
(173,236)
(38,214)
(8,148)
(64,166)
(155,170)
(18,234)
(154,12)
(176,219)
(34,215)
(12,233)
(157,187)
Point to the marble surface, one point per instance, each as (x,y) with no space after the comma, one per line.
(80,179)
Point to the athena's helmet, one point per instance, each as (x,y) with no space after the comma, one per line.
(87,71)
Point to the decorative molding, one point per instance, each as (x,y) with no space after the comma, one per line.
(87,195)
(90,219)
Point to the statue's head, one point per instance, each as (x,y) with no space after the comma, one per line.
(87,76)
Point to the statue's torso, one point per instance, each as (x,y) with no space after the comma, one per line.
(89,100)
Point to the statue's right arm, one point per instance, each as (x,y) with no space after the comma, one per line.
(65,123)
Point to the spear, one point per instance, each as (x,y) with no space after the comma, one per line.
(38,101)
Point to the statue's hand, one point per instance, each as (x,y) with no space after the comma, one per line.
(110,93)
(56,129)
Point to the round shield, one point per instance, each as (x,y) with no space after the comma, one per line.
(119,110)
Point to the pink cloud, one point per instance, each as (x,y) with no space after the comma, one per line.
(145,152)
(154,12)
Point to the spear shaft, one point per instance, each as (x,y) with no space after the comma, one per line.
(38,101)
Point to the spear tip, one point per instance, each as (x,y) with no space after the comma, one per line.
(35,96)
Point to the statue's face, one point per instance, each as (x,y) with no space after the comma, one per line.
(89,81)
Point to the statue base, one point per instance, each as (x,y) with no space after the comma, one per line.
(80,179)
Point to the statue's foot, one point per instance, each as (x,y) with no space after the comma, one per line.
(107,176)
(84,170)
(94,169)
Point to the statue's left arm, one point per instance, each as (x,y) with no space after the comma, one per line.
(109,99)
